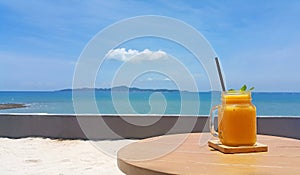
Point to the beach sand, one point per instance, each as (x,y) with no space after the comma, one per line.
(51,156)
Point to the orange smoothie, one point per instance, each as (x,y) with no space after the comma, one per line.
(237,119)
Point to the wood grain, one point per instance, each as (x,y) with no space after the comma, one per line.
(190,154)
(258,147)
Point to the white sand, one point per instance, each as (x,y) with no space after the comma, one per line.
(58,157)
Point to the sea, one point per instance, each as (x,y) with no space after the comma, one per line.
(143,102)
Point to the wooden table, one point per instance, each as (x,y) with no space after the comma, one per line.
(189,154)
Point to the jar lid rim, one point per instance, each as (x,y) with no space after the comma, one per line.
(236,92)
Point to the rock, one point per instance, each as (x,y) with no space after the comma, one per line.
(11,106)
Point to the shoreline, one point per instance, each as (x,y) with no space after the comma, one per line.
(12,106)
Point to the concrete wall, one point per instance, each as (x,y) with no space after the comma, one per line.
(115,127)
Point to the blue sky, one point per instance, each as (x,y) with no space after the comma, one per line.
(258,42)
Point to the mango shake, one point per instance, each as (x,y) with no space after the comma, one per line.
(237,119)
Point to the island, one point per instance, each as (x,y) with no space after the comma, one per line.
(123,89)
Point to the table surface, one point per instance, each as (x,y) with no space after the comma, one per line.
(190,154)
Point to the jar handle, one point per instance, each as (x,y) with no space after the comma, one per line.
(212,119)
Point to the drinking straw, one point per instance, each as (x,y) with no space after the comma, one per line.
(220,74)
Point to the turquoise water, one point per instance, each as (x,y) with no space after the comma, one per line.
(60,102)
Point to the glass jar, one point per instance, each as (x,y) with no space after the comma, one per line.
(236,119)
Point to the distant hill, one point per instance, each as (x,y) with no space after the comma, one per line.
(122,89)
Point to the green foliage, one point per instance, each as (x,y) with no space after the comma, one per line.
(242,89)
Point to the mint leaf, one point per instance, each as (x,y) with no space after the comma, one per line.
(244,88)
(231,90)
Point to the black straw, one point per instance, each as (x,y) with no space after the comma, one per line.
(220,74)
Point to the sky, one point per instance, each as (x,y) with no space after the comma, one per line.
(257,42)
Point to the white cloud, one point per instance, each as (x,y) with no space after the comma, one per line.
(158,79)
(124,55)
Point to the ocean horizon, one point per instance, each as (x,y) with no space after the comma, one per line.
(144,101)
